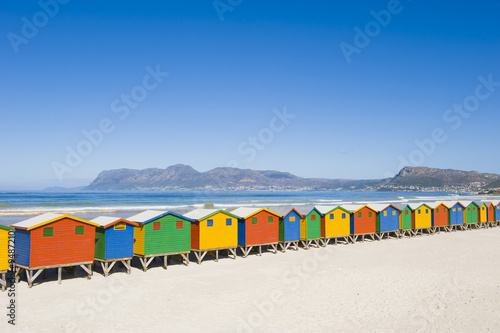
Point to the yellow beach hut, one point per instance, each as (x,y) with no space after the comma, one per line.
(336,224)
(422,220)
(213,230)
(4,254)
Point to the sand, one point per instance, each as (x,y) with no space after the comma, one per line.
(447,282)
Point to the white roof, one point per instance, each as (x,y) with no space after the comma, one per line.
(448,203)
(105,220)
(245,211)
(37,220)
(466,202)
(146,215)
(200,213)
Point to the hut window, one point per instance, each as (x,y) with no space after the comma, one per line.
(120,226)
(79,230)
(270,219)
(473,208)
(369,214)
(454,209)
(178,225)
(156,225)
(48,232)
(482,208)
(229,221)
(385,213)
(426,211)
(210,223)
(444,210)
(359,214)
(254,220)
(459,209)
(292,219)
(343,215)
(313,217)
(468,209)
(393,212)
(331,216)
(406,212)
(419,211)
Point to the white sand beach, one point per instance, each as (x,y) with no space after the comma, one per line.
(448,282)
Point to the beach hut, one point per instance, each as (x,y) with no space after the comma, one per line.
(213,230)
(363,221)
(457,215)
(161,234)
(257,227)
(53,241)
(497,213)
(310,228)
(114,242)
(471,214)
(405,220)
(387,222)
(335,225)
(422,218)
(491,214)
(289,230)
(483,214)
(5,246)
(441,216)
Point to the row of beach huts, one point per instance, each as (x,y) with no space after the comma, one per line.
(52,241)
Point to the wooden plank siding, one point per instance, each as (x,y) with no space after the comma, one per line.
(139,240)
(4,248)
(471,213)
(422,217)
(388,219)
(22,242)
(168,238)
(260,228)
(364,221)
(406,220)
(310,225)
(457,214)
(64,247)
(100,243)
(119,242)
(336,223)
(219,235)
(440,216)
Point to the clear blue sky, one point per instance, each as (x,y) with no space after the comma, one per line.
(353,119)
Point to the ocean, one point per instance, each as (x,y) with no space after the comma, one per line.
(16,206)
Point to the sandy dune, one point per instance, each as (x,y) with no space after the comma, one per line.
(445,282)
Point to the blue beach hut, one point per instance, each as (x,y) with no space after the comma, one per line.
(387,218)
(289,230)
(114,241)
(456,212)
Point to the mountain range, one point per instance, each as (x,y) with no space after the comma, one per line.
(184,177)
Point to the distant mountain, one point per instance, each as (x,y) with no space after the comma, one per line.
(179,177)
(184,177)
(422,178)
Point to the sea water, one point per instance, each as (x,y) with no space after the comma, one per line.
(19,205)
